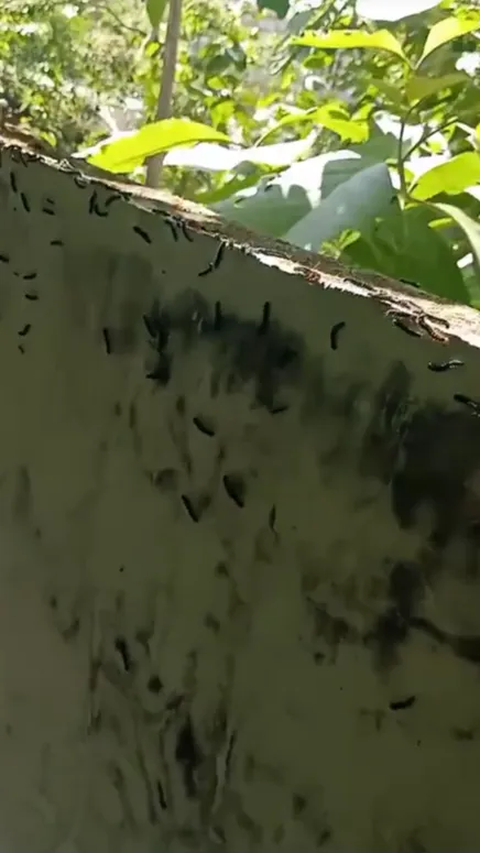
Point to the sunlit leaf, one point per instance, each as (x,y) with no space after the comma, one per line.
(353,205)
(467,224)
(392,10)
(418,88)
(334,116)
(155,11)
(337,120)
(123,153)
(451,177)
(274,206)
(474,136)
(449,29)
(381,146)
(286,121)
(342,39)
(151,48)
(215,158)
(233,187)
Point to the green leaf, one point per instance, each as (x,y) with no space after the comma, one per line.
(336,118)
(449,29)
(475,138)
(333,115)
(393,93)
(274,206)
(404,245)
(151,48)
(392,10)
(380,147)
(155,11)
(213,157)
(418,88)
(451,177)
(353,205)
(280,7)
(127,152)
(342,39)
(471,230)
(287,121)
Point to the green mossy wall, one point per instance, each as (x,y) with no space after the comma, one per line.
(240,567)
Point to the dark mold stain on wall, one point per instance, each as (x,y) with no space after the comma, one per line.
(243,352)
(392,627)
(425,454)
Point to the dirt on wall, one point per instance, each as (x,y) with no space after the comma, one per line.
(240,531)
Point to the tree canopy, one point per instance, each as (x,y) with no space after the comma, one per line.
(349,128)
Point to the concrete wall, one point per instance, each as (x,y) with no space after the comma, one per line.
(239,601)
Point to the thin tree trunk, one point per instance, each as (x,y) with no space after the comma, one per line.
(164,105)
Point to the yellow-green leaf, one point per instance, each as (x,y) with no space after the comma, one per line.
(285,121)
(475,138)
(452,177)
(335,39)
(155,11)
(468,226)
(338,121)
(333,115)
(418,88)
(127,152)
(449,29)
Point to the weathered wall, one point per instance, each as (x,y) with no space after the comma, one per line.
(240,579)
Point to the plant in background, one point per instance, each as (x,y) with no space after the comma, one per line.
(348,128)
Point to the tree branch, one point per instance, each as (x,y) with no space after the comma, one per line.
(106,8)
(164,105)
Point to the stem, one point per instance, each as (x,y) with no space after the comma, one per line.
(106,8)
(400,158)
(427,135)
(164,104)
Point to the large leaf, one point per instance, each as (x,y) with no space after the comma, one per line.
(342,39)
(451,177)
(392,10)
(128,151)
(335,117)
(273,207)
(352,206)
(418,88)
(332,115)
(393,93)
(449,29)
(297,117)
(381,145)
(215,158)
(470,228)
(403,245)
(155,11)
(280,7)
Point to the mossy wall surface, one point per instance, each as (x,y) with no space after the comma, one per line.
(240,566)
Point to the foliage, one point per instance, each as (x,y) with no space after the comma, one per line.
(334,127)
(127,153)
(58,62)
